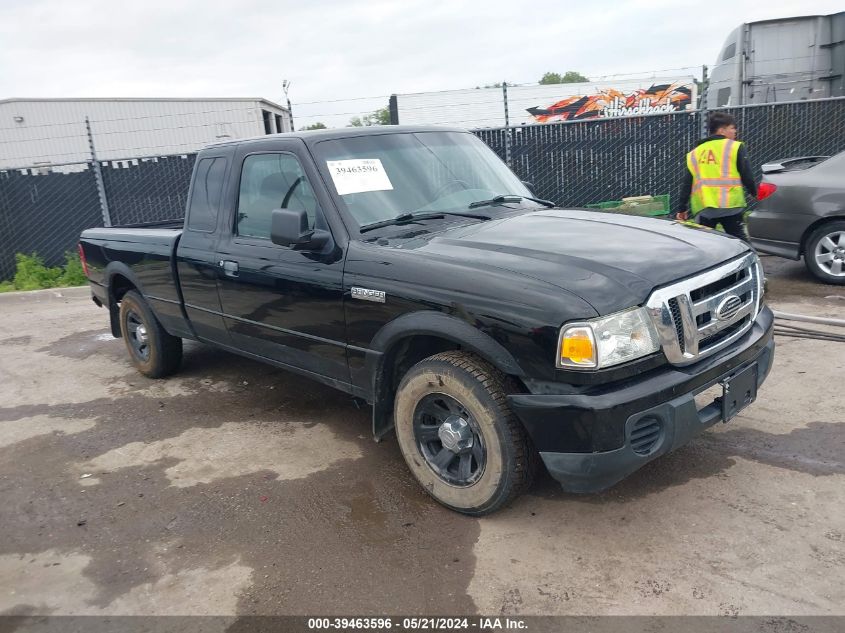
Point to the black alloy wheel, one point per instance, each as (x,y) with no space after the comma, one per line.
(449,440)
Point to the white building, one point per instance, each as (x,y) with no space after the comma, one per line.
(42,132)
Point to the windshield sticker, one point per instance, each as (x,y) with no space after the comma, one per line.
(358,175)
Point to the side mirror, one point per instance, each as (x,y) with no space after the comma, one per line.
(530,186)
(289,227)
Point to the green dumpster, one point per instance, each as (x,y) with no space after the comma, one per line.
(650,206)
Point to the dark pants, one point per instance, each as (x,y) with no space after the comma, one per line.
(730,219)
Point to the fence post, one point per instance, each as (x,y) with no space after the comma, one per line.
(393,109)
(703,99)
(286,87)
(98,176)
(507,124)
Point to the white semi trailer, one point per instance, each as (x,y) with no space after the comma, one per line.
(788,59)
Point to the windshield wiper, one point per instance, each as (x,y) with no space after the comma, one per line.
(408,218)
(509,198)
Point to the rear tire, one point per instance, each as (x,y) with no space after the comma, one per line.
(824,254)
(483,459)
(153,351)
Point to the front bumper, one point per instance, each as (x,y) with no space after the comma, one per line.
(585,438)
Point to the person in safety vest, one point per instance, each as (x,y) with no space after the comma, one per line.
(716,172)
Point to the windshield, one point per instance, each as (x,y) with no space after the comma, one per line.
(382,176)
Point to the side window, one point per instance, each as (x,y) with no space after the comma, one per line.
(205,199)
(723,97)
(269,182)
(729,53)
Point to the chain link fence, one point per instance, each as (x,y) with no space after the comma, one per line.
(805,128)
(43,209)
(44,212)
(67,165)
(147,190)
(587,162)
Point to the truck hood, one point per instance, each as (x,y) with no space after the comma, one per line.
(611,261)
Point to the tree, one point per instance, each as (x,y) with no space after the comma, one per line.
(379,117)
(314,126)
(574,77)
(569,77)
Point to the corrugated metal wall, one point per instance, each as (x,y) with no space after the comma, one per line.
(34,132)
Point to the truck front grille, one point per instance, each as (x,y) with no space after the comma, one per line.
(675,308)
(701,315)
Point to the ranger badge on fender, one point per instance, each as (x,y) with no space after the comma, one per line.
(366,294)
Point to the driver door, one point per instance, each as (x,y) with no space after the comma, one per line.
(279,302)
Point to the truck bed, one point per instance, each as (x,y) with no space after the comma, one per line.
(154,235)
(142,257)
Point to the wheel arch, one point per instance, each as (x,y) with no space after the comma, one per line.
(805,237)
(413,337)
(119,280)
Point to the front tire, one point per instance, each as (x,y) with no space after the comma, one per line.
(458,436)
(824,255)
(153,351)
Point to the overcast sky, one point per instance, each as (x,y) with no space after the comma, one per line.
(331,50)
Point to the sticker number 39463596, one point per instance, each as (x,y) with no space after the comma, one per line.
(358,175)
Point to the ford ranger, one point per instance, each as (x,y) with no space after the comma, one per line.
(492,331)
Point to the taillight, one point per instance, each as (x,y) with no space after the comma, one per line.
(765,190)
(82,260)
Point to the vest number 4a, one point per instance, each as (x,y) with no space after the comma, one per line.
(707,157)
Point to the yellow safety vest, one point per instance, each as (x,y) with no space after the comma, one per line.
(715,176)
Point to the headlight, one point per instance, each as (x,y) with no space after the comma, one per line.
(761,284)
(607,341)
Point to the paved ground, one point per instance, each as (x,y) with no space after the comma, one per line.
(234,488)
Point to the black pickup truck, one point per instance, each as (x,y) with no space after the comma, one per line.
(408,266)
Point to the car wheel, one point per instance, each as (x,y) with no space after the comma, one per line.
(153,351)
(459,437)
(824,254)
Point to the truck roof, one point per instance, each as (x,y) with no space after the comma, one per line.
(312,136)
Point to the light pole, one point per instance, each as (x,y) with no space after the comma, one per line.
(285,88)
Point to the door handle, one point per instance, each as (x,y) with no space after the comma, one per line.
(230,268)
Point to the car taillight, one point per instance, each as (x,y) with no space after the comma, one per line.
(765,190)
(82,260)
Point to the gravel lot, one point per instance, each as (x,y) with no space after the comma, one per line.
(235,488)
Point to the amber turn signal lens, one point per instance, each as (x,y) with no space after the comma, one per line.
(577,347)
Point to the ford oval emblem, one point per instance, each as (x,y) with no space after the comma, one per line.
(728,307)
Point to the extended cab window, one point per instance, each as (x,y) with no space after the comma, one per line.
(205,198)
(269,182)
